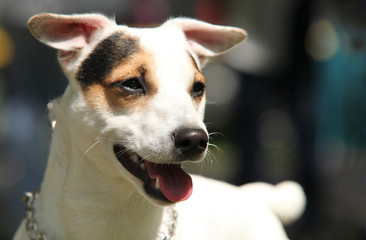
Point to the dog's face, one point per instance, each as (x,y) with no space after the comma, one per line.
(140,91)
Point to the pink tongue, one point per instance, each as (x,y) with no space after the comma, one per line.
(175,184)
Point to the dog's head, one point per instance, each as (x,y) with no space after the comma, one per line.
(140,90)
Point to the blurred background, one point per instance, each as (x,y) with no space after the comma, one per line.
(289,103)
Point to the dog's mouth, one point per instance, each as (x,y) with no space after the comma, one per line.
(164,182)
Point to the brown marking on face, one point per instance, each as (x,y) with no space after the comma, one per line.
(193,61)
(199,79)
(110,93)
(105,57)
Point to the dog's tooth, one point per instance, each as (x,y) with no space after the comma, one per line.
(134,158)
(142,166)
(157,185)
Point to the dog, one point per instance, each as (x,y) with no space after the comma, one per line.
(131,115)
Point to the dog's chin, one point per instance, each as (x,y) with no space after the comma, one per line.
(164,184)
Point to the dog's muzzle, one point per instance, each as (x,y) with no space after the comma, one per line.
(167,183)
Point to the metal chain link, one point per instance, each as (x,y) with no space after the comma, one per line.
(170,225)
(31,224)
(34,232)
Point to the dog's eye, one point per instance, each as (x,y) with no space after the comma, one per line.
(198,89)
(131,85)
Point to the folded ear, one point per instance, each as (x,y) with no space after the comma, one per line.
(67,32)
(208,40)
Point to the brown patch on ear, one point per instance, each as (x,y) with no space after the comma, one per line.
(109,96)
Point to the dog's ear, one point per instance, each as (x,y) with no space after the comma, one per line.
(70,34)
(208,40)
(67,32)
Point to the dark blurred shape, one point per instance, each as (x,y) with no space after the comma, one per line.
(351,12)
(148,12)
(212,11)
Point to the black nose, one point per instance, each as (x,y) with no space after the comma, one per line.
(190,143)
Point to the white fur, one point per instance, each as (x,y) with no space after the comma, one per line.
(86,192)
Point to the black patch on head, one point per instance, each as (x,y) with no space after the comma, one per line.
(107,55)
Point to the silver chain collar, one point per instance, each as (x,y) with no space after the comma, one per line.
(31,225)
(169,225)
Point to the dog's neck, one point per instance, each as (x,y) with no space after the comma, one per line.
(79,201)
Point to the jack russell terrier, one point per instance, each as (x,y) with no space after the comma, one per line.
(130,117)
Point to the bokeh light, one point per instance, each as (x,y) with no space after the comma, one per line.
(6,48)
(321,40)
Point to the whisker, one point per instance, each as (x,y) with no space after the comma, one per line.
(115,140)
(211,156)
(215,133)
(84,154)
(208,102)
(216,147)
(209,123)
(121,152)
(142,160)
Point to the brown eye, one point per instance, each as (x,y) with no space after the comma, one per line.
(131,86)
(198,89)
